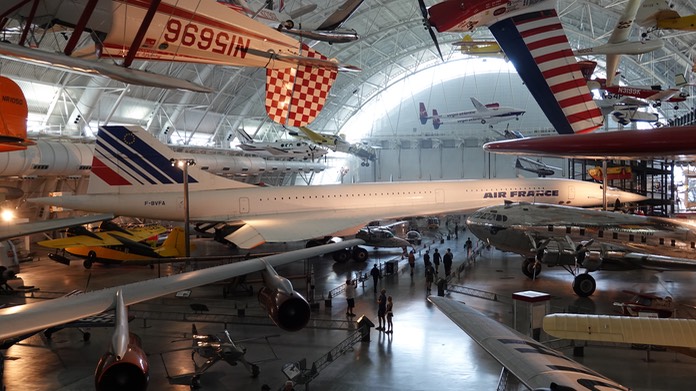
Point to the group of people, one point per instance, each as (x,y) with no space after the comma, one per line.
(385,305)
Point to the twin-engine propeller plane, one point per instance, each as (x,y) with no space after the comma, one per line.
(132,175)
(298,78)
(575,238)
(532,37)
(491,113)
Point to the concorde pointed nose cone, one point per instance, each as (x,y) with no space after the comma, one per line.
(623,196)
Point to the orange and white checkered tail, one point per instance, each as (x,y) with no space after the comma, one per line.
(295,96)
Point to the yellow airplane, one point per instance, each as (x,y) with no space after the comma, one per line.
(116,245)
(480,48)
(658,14)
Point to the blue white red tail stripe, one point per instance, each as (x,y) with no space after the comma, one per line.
(548,67)
(121,158)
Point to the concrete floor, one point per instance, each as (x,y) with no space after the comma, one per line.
(425,352)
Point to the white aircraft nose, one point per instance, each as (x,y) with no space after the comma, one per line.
(624,196)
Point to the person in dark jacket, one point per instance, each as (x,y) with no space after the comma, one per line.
(375,275)
(447,262)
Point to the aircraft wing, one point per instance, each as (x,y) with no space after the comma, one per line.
(104,238)
(125,75)
(622,30)
(287,227)
(535,365)
(13,231)
(342,13)
(538,47)
(623,329)
(23,319)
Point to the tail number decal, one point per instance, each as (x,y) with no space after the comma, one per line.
(205,38)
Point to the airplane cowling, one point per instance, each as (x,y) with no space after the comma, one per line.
(590,260)
(289,312)
(555,258)
(131,372)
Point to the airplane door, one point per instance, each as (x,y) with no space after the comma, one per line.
(571,192)
(243,205)
(439,196)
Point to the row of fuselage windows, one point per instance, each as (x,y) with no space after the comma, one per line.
(390,194)
(631,237)
(489,216)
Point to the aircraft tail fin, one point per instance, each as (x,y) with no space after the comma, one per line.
(653,10)
(13,116)
(422,113)
(295,96)
(480,107)
(128,159)
(552,74)
(436,120)
(175,245)
(680,80)
(338,17)
(518,164)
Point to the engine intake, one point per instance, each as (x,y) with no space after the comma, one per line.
(289,312)
(130,372)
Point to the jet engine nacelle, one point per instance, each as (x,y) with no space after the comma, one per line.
(552,257)
(590,260)
(130,372)
(290,312)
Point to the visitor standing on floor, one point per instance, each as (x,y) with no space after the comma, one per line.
(429,278)
(412,260)
(350,295)
(468,245)
(375,275)
(436,261)
(447,262)
(390,315)
(382,309)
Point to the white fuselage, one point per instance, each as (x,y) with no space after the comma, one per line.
(380,200)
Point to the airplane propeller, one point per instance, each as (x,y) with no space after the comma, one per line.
(429,27)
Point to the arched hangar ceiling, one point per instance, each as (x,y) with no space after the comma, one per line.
(393,45)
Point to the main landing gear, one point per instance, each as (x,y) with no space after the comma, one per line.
(358,254)
(584,285)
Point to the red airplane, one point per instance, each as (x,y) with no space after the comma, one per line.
(532,37)
(13,117)
(620,145)
(298,78)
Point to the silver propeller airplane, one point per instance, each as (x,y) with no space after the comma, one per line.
(576,238)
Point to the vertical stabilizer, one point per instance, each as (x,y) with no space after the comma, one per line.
(174,245)
(436,120)
(480,107)
(422,113)
(128,159)
(295,96)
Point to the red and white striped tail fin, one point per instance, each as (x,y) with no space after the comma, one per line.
(548,67)
(295,96)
